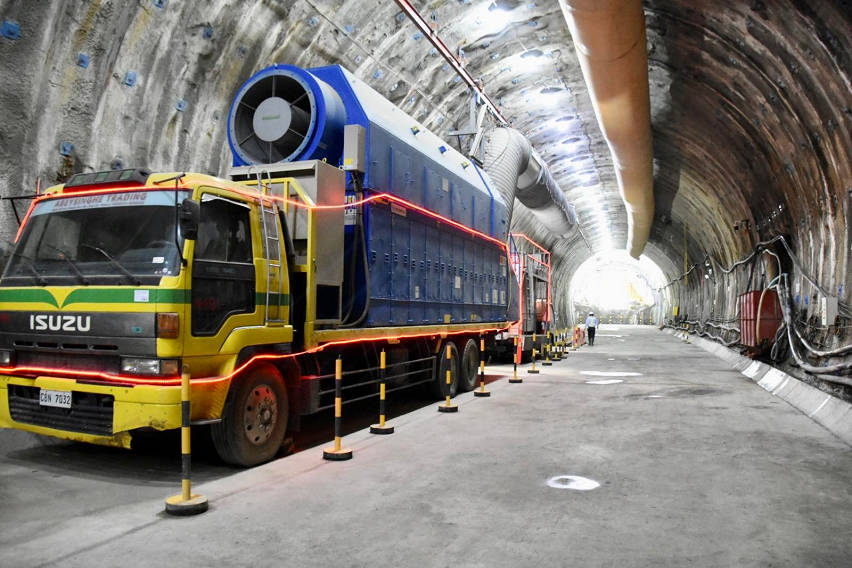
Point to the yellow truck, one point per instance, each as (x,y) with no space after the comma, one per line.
(122,280)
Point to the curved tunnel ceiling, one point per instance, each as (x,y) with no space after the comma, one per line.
(751,105)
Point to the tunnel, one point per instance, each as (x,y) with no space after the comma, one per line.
(749,109)
(701,152)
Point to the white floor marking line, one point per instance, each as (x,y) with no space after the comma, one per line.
(781,386)
(611,373)
(605,382)
(654,396)
(752,370)
(574,482)
(771,379)
(818,408)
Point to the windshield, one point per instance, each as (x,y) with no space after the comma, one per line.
(112,238)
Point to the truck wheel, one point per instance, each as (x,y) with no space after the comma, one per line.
(439,383)
(469,366)
(254,419)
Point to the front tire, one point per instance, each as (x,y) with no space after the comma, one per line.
(254,420)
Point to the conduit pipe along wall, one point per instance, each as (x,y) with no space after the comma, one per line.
(609,36)
(518,171)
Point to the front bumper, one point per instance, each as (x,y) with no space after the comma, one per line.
(89,420)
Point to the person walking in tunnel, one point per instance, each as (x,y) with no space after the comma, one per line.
(591,325)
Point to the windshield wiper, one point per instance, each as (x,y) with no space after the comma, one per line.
(29,264)
(135,281)
(64,256)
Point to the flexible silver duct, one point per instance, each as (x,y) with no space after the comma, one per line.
(518,171)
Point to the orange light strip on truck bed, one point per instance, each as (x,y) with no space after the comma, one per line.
(175,381)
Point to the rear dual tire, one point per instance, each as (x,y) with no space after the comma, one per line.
(439,383)
(469,366)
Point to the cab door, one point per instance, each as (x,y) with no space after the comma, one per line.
(223,271)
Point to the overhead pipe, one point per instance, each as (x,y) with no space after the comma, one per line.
(518,171)
(609,37)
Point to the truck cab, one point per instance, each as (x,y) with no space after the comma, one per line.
(118,282)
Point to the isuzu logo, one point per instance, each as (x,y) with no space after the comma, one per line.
(46,322)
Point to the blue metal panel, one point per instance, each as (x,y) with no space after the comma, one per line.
(400,285)
(417,272)
(432,274)
(380,269)
(467,285)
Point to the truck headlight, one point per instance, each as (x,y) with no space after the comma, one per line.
(5,357)
(148,366)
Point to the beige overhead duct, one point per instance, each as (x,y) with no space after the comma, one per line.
(609,36)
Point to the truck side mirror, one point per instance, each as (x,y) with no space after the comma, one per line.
(188,216)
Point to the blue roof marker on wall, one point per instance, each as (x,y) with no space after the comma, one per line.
(66,148)
(208,31)
(11,30)
(130,78)
(181,105)
(83,60)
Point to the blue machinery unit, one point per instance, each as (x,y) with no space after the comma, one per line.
(402,266)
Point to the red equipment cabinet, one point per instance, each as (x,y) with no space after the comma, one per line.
(770,317)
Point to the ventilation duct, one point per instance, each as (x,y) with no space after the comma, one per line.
(518,171)
(609,36)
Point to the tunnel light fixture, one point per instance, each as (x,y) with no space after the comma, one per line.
(491,19)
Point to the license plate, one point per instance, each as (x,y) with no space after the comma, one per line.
(59,399)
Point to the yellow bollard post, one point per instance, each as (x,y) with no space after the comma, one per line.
(381,427)
(337,453)
(448,406)
(546,361)
(186,503)
(515,378)
(533,370)
(482,392)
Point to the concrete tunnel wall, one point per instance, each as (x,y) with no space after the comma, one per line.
(750,110)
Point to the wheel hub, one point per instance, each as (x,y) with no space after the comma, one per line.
(260,414)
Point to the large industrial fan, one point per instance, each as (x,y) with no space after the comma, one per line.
(284,114)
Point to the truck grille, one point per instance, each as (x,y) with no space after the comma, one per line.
(90,413)
(68,361)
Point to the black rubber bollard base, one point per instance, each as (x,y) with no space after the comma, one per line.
(516,381)
(376,429)
(450,408)
(175,505)
(532,371)
(481,393)
(547,363)
(342,454)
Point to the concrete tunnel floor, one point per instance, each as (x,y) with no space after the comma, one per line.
(697,466)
